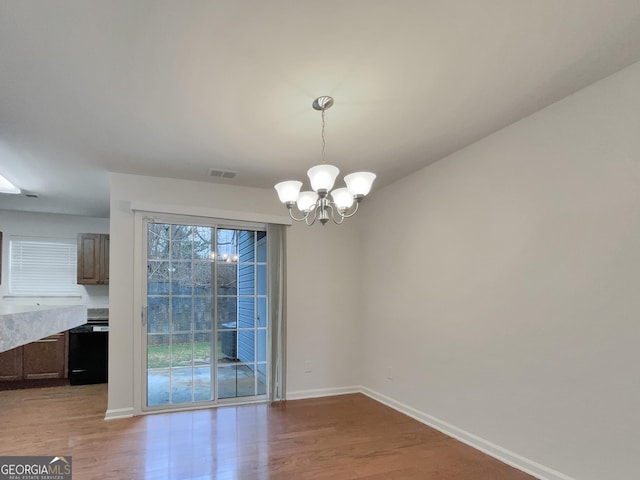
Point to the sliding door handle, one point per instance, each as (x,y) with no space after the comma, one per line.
(144,314)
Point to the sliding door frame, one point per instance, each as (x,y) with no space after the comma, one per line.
(140,350)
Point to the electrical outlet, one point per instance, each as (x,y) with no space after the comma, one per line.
(307,366)
(389,372)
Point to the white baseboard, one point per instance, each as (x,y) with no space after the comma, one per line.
(323,392)
(119,413)
(506,456)
(496,451)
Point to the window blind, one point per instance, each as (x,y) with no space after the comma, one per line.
(43,267)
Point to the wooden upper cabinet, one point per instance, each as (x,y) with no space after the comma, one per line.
(93,259)
(104,258)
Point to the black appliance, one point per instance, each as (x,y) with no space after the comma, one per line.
(88,349)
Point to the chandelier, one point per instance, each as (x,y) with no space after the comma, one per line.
(321,202)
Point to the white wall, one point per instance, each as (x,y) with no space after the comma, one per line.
(27,224)
(312,328)
(500,286)
(324,338)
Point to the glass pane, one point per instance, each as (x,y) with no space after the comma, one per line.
(158,351)
(246,246)
(246,312)
(227,245)
(262,345)
(202,242)
(158,387)
(202,278)
(246,279)
(227,345)
(203,313)
(181,385)
(157,277)
(262,280)
(247,345)
(262,388)
(158,315)
(181,350)
(181,314)
(202,384)
(181,242)
(227,312)
(227,381)
(262,246)
(202,348)
(262,312)
(158,241)
(220,357)
(227,279)
(262,379)
(245,380)
(181,281)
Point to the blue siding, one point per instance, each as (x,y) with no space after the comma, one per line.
(246,305)
(246,345)
(246,312)
(246,279)
(261,246)
(261,317)
(246,244)
(252,301)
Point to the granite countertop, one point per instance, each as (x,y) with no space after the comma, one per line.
(22,324)
(13,309)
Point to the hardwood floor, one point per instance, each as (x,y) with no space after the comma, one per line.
(343,437)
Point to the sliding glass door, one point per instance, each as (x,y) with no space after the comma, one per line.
(241,313)
(207,317)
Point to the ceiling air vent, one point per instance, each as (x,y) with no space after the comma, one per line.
(214,172)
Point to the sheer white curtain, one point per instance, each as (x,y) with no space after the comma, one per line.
(276,235)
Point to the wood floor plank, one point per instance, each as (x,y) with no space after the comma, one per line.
(332,438)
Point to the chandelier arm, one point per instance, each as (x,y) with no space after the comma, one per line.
(297,219)
(349,215)
(315,216)
(333,214)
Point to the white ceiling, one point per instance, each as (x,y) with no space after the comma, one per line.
(172,89)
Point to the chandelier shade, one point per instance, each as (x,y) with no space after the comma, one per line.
(323,203)
(359,183)
(342,198)
(306,200)
(288,191)
(322,177)
(7,187)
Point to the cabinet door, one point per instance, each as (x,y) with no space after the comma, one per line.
(11,364)
(104,258)
(89,258)
(46,358)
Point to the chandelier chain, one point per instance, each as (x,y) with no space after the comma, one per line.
(323,139)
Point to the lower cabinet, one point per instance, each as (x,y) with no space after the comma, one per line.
(11,364)
(46,358)
(42,359)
